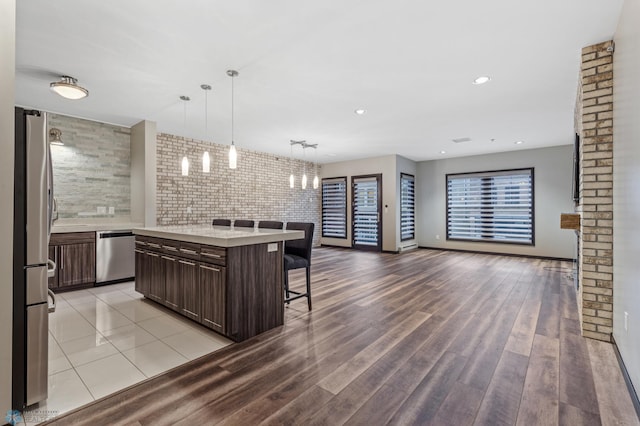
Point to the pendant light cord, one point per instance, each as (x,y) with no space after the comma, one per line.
(232,110)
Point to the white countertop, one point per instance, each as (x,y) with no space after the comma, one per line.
(92,227)
(221,236)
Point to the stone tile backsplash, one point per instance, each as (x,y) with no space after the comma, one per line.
(92,170)
(258,189)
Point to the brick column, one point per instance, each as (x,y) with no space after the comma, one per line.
(596,191)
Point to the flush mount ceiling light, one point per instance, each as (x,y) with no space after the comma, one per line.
(519,142)
(443,152)
(233,154)
(482,80)
(68,88)
(55,136)
(360,111)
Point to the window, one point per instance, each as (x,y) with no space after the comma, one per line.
(407,207)
(491,206)
(334,207)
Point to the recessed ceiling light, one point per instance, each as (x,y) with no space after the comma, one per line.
(331,155)
(361,111)
(482,79)
(443,152)
(519,142)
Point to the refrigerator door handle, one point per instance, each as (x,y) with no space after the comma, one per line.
(51,271)
(52,308)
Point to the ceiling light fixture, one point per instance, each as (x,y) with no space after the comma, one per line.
(482,80)
(316,180)
(206,162)
(233,154)
(55,136)
(185,160)
(68,88)
(292,178)
(519,142)
(443,152)
(361,111)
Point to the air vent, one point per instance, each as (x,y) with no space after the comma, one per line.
(461,140)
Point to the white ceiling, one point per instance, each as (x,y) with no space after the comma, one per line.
(306,66)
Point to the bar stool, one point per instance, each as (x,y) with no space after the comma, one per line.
(297,255)
(270,224)
(221,222)
(241,223)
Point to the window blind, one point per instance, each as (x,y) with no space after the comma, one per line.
(407,207)
(491,206)
(334,208)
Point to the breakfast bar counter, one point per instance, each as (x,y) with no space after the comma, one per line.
(229,280)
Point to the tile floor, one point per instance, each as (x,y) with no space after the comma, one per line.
(107,338)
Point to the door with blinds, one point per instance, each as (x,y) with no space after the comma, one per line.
(367,212)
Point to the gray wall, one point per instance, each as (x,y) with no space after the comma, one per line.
(7,99)
(385,165)
(553,174)
(92,169)
(626,192)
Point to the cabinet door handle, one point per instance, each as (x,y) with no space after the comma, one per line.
(169,258)
(217,256)
(154,245)
(189,312)
(187,263)
(188,251)
(151,254)
(142,243)
(170,248)
(61,258)
(138,251)
(211,269)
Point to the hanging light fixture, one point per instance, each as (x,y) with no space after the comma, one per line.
(304,167)
(185,160)
(292,179)
(206,162)
(316,181)
(233,154)
(68,88)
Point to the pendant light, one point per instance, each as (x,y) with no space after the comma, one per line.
(233,154)
(185,160)
(316,181)
(304,167)
(292,179)
(206,162)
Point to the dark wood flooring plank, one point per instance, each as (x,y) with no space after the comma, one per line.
(539,402)
(459,408)
(502,399)
(570,415)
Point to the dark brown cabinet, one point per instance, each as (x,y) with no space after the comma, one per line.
(190,289)
(236,291)
(213,295)
(75,257)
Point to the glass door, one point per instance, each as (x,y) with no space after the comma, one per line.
(367,212)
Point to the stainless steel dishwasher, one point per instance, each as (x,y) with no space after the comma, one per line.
(115,259)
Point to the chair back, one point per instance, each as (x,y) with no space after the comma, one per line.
(221,222)
(270,224)
(241,223)
(301,247)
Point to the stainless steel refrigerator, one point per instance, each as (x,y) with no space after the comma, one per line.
(33,195)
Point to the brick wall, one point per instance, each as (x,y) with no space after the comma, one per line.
(258,189)
(596,191)
(92,169)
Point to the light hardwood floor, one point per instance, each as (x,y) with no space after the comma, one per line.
(424,337)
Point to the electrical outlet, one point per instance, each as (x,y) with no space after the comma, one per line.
(189,210)
(112,210)
(437,237)
(102,210)
(626,321)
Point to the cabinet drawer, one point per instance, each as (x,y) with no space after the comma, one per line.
(189,250)
(212,254)
(72,238)
(149,243)
(171,247)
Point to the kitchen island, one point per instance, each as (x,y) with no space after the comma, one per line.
(229,280)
